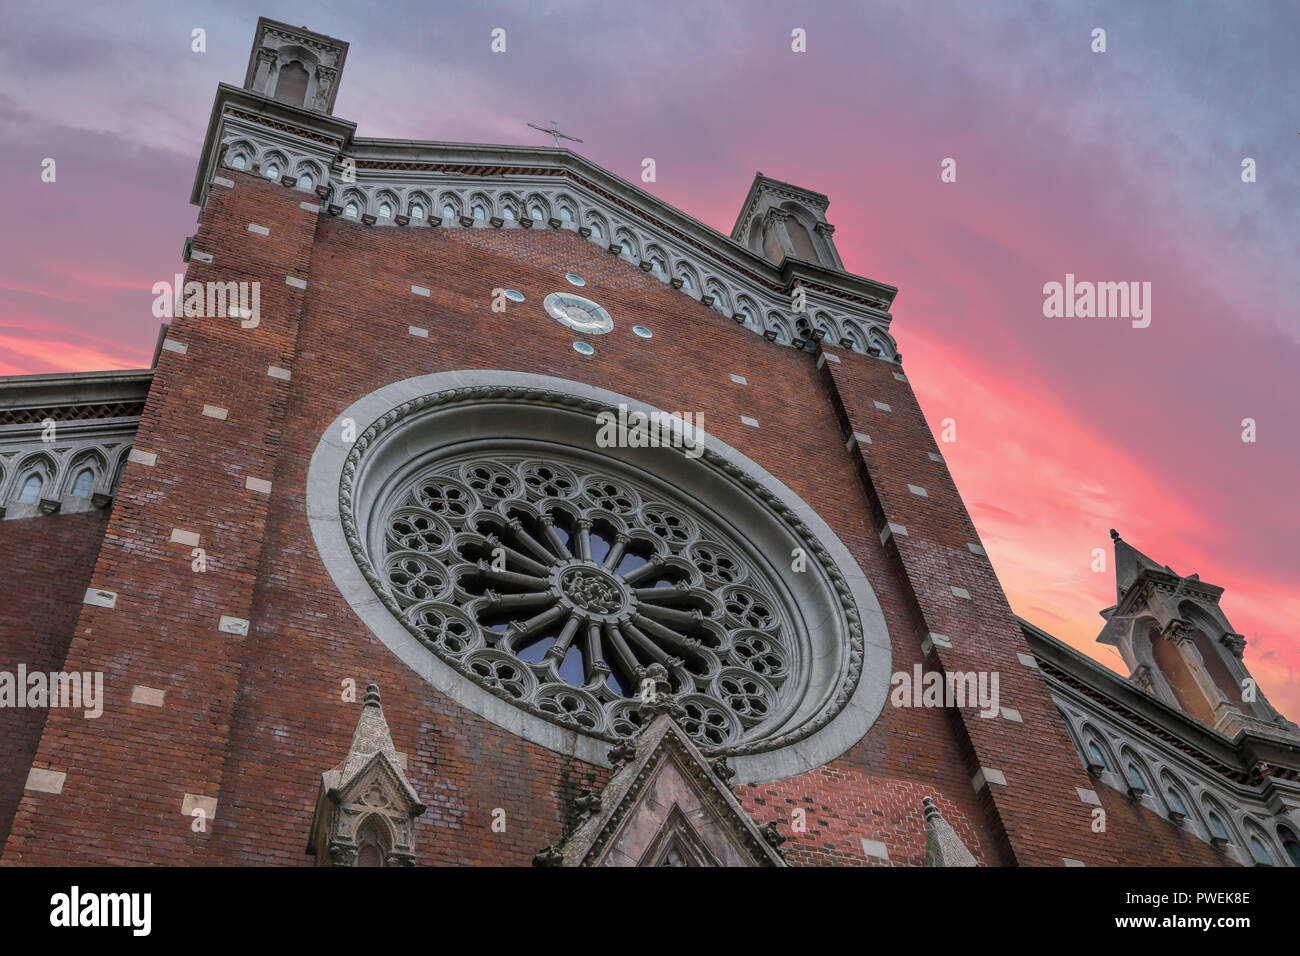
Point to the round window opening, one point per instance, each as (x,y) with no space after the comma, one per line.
(577,313)
(551,575)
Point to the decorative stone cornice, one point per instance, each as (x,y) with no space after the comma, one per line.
(725,270)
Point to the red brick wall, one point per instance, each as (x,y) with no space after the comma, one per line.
(45,565)
(255,720)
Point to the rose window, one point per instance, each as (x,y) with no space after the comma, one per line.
(479,528)
(556,584)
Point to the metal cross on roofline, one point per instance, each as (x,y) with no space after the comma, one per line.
(556,135)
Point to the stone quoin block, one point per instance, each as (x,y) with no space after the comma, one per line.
(46,781)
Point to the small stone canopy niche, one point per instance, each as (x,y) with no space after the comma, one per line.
(295,65)
(665,805)
(366,810)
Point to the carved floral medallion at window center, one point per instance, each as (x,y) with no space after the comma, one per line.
(556,584)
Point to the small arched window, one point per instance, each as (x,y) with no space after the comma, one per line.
(1217,826)
(624,248)
(1175,801)
(273,171)
(385,211)
(350,210)
(31,489)
(448,211)
(1098,758)
(780,333)
(565,214)
(537,213)
(478,212)
(81,486)
(686,281)
(508,213)
(1135,778)
(1290,845)
(1260,852)
(371,845)
(239,162)
(305,181)
(596,231)
(417,211)
(657,265)
(855,340)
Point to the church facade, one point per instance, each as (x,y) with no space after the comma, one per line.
(480,508)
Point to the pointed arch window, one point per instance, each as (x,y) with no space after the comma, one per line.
(239,162)
(350,210)
(372,847)
(1260,852)
(1175,801)
(566,215)
(537,213)
(305,181)
(31,489)
(478,212)
(448,211)
(1290,845)
(596,231)
(1098,758)
(1217,826)
(417,211)
(385,211)
(273,171)
(81,486)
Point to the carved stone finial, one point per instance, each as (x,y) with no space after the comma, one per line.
(549,856)
(366,801)
(722,770)
(622,752)
(1142,677)
(774,837)
(1114,535)
(942,845)
(1235,643)
(656,694)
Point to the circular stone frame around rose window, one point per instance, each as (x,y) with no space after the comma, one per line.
(520,454)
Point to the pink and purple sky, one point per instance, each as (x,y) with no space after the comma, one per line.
(1117,166)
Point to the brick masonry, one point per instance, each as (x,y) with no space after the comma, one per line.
(253,720)
(45,564)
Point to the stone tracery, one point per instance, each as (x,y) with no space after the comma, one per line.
(555,584)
